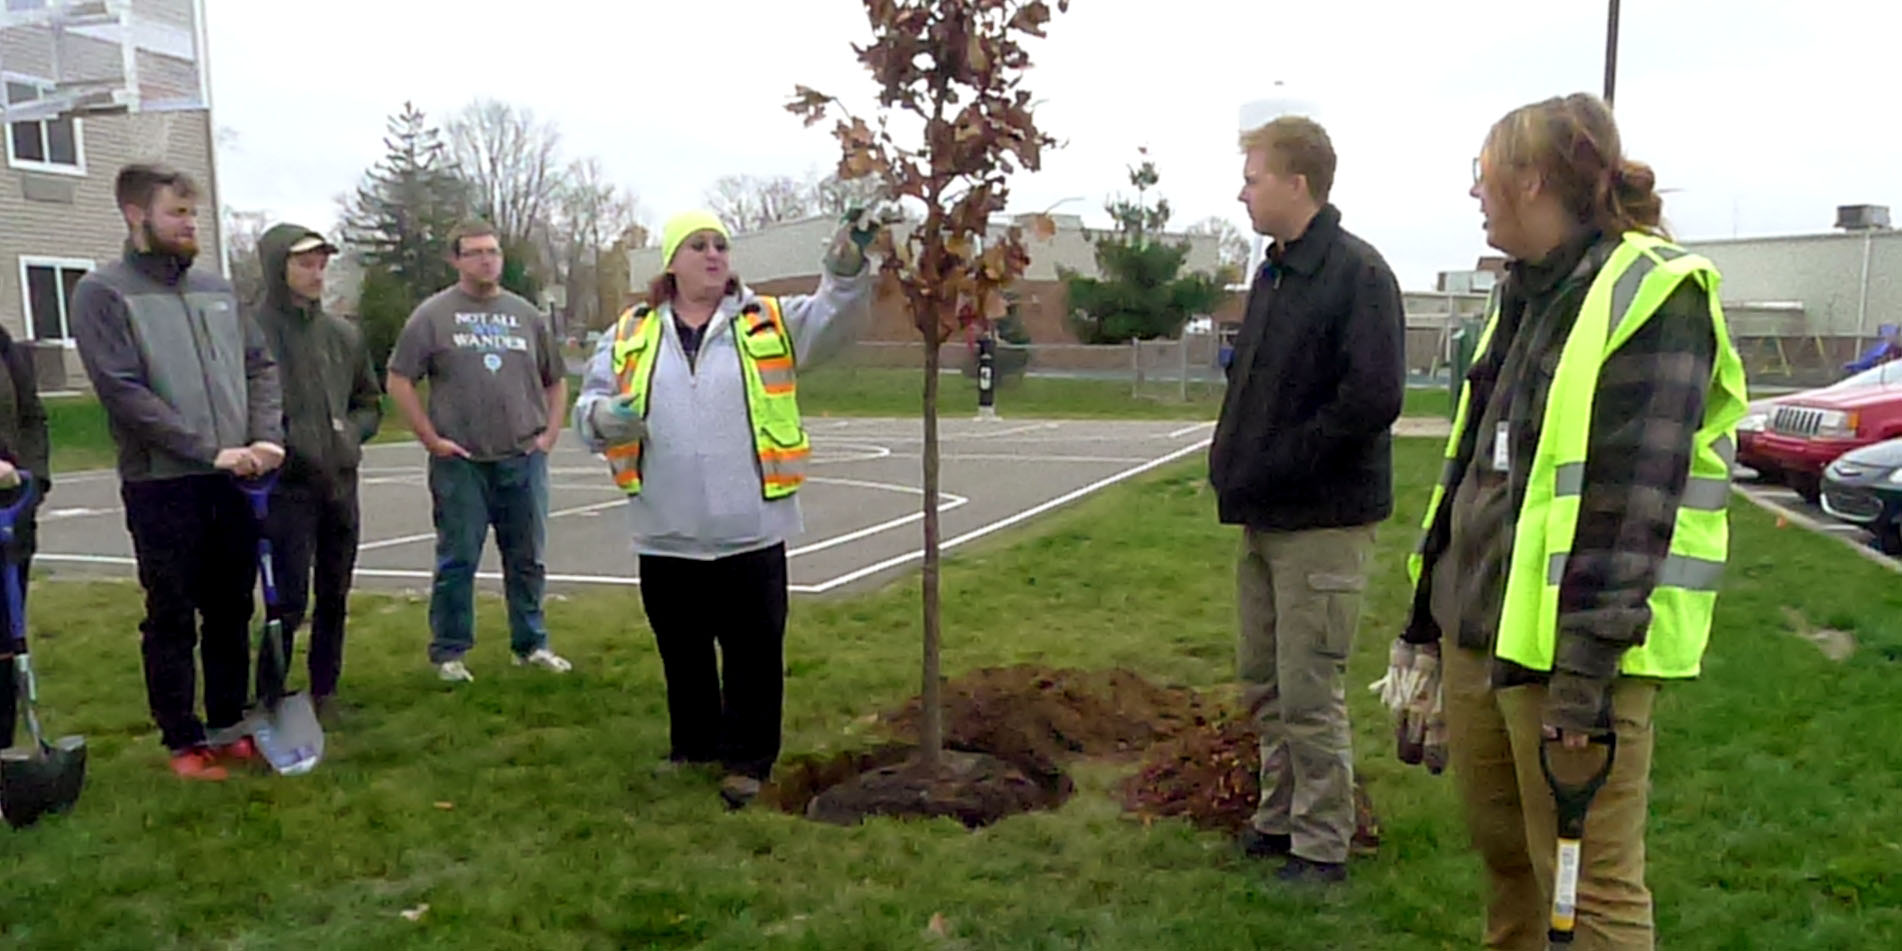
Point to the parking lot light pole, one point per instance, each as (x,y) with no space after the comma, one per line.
(1611,51)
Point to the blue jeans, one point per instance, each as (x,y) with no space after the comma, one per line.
(468,497)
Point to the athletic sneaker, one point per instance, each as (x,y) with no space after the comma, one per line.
(544,658)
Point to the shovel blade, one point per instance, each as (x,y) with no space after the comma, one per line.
(289,735)
(35,782)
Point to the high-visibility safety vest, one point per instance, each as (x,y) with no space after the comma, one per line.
(772,400)
(1634,283)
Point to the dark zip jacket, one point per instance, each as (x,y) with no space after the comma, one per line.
(1317,381)
(331,396)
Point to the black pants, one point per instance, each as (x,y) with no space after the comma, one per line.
(313,527)
(196,543)
(728,711)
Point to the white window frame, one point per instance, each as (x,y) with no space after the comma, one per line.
(26,295)
(51,168)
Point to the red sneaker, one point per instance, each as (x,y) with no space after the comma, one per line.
(197,763)
(240,752)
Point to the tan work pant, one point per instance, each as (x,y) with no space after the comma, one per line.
(1299,596)
(1493,745)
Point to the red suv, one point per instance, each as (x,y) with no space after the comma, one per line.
(1796,436)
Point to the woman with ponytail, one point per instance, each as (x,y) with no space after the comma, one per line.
(1573,551)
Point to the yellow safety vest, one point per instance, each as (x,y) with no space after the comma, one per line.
(772,400)
(1634,283)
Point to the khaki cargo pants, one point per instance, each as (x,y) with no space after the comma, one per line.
(1299,597)
(1492,744)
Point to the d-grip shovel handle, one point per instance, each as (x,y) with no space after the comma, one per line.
(1572,802)
(258,491)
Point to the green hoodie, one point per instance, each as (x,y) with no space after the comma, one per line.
(331,396)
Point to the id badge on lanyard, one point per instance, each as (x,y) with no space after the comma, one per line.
(1502,447)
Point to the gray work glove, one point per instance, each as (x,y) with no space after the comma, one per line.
(858,228)
(615,422)
(1413,692)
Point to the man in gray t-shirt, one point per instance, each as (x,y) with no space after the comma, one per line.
(497,390)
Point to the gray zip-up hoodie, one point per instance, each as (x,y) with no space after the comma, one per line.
(181,371)
(700,485)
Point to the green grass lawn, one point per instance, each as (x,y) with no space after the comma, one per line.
(522,810)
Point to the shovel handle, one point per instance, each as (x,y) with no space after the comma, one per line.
(1572,801)
(258,490)
(10,514)
(16,599)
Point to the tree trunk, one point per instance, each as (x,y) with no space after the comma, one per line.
(931,726)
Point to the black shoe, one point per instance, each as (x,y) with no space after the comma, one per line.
(1302,871)
(1257,844)
(738,791)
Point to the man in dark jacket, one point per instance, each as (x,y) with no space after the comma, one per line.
(191,397)
(1302,460)
(330,407)
(23,445)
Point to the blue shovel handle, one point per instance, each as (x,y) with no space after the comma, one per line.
(9,516)
(258,491)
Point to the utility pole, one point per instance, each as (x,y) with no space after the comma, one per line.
(1611,52)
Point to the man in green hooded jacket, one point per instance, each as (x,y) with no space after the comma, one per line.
(331,406)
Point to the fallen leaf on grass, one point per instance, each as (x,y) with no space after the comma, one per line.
(416,913)
(1835,645)
(938,926)
(445,805)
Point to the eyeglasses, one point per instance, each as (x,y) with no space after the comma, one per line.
(700,245)
(1478,171)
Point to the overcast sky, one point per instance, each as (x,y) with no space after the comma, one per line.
(1763,115)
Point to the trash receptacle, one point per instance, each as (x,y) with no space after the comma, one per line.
(1464,341)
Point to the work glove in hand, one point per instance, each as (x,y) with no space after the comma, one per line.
(1412,691)
(857,230)
(615,421)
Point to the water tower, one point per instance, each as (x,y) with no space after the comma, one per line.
(1282,100)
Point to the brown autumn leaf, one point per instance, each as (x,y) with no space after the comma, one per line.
(1043,226)
(996,262)
(938,926)
(1031,17)
(975,54)
(857,164)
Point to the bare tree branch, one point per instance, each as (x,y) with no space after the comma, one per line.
(747,203)
(512,162)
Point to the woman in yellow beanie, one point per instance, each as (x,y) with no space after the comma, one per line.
(693,400)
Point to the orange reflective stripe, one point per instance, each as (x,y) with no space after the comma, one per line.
(776,479)
(785,455)
(629,450)
(774,364)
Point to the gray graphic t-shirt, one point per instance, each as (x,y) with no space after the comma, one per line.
(487,363)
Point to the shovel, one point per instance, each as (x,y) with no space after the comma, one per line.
(39,777)
(1572,802)
(284,726)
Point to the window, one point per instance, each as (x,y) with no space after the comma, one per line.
(46,145)
(47,285)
